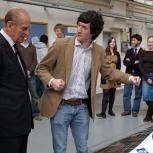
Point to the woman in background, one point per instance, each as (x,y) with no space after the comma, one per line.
(109,87)
(146,67)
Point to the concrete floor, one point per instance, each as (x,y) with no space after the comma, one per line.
(102,131)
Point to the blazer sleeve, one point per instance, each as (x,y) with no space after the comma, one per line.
(109,73)
(127,59)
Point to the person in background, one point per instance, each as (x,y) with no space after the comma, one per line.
(41,47)
(34,40)
(131,61)
(109,87)
(28,53)
(59,30)
(69,73)
(41,50)
(15,105)
(146,67)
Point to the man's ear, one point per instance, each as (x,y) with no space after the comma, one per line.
(9,25)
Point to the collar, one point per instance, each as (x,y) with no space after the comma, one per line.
(7,37)
(25,44)
(138,48)
(78,44)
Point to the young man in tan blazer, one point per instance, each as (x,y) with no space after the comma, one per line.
(69,73)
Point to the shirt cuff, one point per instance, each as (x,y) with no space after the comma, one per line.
(50,82)
(130,78)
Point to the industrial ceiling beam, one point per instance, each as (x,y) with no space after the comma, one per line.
(94,2)
(77,9)
(136,4)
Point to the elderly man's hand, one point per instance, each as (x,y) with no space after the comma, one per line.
(135,80)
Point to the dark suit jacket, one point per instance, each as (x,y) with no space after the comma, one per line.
(15,106)
(132,67)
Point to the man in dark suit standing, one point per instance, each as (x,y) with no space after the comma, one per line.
(15,107)
(131,61)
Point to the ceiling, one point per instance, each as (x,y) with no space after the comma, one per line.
(72,2)
(104,6)
(81,3)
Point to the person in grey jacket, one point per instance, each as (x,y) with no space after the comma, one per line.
(41,51)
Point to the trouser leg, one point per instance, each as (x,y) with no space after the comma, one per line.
(105,100)
(111,99)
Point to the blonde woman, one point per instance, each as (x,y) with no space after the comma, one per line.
(146,67)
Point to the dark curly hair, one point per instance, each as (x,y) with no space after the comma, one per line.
(96,22)
(137,36)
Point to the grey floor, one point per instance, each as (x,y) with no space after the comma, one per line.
(102,131)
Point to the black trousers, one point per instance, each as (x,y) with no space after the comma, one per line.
(150,109)
(108,98)
(14,144)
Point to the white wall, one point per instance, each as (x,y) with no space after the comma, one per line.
(39,14)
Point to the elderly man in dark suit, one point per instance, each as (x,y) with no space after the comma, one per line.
(69,73)
(15,107)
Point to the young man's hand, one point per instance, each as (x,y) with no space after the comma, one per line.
(135,80)
(57,84)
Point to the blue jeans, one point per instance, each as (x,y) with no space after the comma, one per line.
(127,97)
(147,91)
(34,96)
(77,117)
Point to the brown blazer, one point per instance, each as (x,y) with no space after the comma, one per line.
(58,64)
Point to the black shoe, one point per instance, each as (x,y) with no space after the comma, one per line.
(134,114)
(148,119)
(101,115)
(111,113)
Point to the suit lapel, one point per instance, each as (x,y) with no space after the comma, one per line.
(11,55)
(15,60)
(23,65)
(69,51)
(94,64)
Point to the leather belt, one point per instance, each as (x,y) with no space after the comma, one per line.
(73,101)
